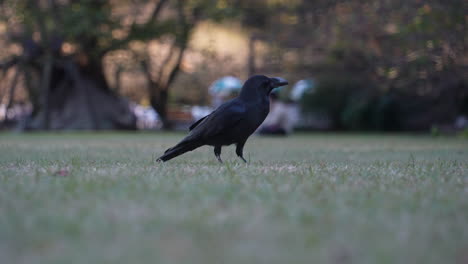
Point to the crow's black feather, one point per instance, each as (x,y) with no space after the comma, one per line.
(232,122)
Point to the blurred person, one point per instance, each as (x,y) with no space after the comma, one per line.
(301,87)
(282,118)
(224,89)
(147,117)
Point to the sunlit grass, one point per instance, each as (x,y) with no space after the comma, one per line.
(101,198)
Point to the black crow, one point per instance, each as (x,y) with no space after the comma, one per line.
(232,122)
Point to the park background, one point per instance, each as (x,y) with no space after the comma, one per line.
(97,65)
(376,172)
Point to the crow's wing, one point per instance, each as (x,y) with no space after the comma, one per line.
(192,126)
(222,119)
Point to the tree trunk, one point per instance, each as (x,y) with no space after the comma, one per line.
(159,88)
(158,100)
(251,57)
(45,88)
(80,99)
(11,95)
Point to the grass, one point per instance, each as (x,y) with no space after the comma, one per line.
(320,198)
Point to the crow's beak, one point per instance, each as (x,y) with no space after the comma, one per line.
(278,81)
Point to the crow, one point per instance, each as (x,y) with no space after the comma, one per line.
(232,122)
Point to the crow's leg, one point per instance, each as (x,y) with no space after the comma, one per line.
(240,150)
(217,152)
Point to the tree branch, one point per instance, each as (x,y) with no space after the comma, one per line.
(134,28)
(8,64)
(147,73)
(165,62)
(182,41)
(157,9)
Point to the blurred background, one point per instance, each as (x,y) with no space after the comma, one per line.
(379,65)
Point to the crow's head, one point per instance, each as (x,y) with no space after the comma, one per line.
(261,85)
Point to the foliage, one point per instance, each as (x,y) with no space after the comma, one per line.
(409,49)
(347,93)
(60,35)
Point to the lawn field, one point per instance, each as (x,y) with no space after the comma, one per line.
(309,198)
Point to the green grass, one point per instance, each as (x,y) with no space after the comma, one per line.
(320,198)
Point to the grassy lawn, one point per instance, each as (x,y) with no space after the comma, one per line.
(319,198)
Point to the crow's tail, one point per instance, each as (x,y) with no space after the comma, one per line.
(179,149)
